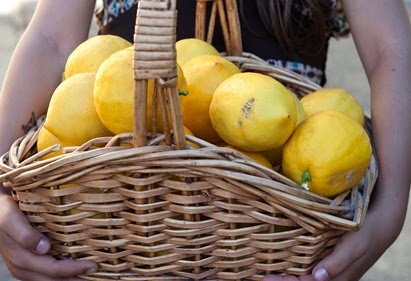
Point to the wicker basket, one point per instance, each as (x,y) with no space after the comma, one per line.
(170,212)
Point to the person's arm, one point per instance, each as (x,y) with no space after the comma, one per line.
(382,34)
(35,70)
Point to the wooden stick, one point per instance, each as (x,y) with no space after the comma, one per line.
(163,101)
(140,113)
(154,107)
(200,20)
(211,23)
(234,26)
(223,19)
(176,118)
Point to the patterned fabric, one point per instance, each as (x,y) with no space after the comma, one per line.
(313,73)
(111,9)
(340,27)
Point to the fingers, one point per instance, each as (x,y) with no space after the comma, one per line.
(26,275)
(14,223)
(26,265)
(51,267)
(59,270)
(345,254)
(24,249)
(354,255)
(342,265)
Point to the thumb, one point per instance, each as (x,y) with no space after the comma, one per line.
(15,224)
(344,255)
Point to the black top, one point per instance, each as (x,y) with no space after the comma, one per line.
(118,18)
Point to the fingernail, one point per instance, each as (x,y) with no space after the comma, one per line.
(43,246)
(91,270)
(321,275)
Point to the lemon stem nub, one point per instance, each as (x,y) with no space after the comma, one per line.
(183,93)
(305,178)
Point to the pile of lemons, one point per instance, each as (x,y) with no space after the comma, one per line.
(318,141)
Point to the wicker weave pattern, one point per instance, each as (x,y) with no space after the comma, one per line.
(228,218)
(158,212)
(155,37)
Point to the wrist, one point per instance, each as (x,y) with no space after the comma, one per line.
(387,211)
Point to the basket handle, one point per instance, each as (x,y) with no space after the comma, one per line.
(155,58)
(230,24)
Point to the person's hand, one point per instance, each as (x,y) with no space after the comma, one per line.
(352,257)
(356,252)
(24,249)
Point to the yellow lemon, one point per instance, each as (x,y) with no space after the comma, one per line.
(256,156)
(301,115)
(274,155)
(46,139)
(114,93)
(253,111)
(333,99)
(71,115)
(89,55)
(203,75)
(189,48)
(181,81)
(327,154)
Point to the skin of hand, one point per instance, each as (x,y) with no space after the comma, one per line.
(381,32)
(24,249)
(35,70)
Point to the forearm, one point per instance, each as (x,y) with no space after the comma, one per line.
(390,106)
(384,47)
(36,67)
(34,72)
(391,115)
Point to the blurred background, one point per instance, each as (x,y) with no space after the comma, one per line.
(343,70)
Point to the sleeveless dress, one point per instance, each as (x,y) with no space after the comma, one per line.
(118,17)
